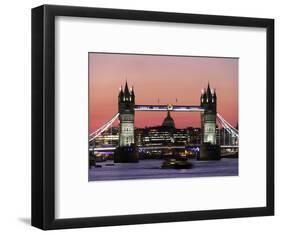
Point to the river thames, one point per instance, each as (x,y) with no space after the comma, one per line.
(151,169)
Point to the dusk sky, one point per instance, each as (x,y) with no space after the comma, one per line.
(164,79)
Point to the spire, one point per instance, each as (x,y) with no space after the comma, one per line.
(168,114)
(202,94)
(209,93)
(121,91)
(126,90)
(168,121)
(208,88)
(215,94)
(133,93)
(205,93)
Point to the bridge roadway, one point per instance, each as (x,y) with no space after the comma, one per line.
(177,108)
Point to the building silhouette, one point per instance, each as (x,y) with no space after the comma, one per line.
(168,121)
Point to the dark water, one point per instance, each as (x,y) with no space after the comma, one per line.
(151,169)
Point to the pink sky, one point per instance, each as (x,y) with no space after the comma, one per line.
(166,78)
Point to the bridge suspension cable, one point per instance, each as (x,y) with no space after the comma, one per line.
(227,123)
(103,128)
(100,128)
(222,124)
(227,126)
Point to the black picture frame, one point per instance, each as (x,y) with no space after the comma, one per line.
(43,116)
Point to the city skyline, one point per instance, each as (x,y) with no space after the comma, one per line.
(176,80)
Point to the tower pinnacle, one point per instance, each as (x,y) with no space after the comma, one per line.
(126,90)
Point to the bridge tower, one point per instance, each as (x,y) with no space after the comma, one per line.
(126,105)
(126,151)
(209,150)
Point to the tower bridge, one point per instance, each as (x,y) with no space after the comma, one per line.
(126,151)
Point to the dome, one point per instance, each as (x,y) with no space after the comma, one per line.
(168,121)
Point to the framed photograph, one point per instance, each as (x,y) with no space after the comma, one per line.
(147,117)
